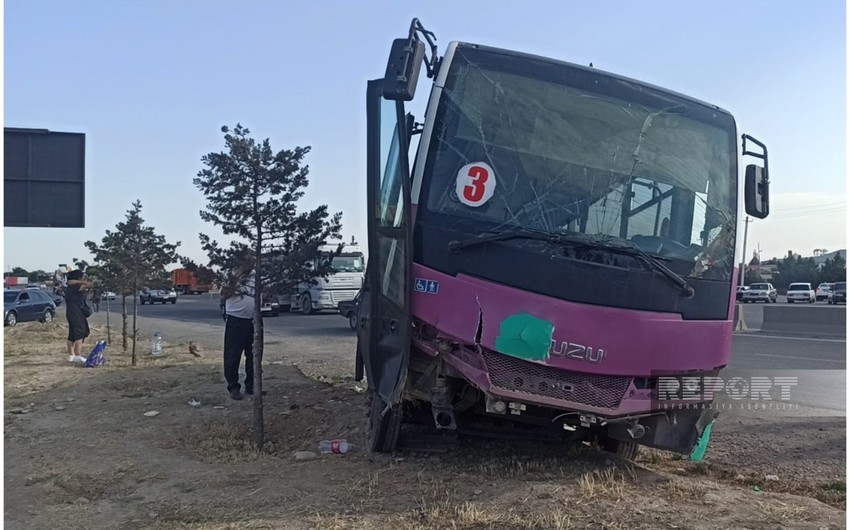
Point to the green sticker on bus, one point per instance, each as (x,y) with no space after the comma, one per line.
(525,336)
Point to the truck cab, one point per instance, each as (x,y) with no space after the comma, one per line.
(341,286)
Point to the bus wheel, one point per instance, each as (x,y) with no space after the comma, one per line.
(623,449)
(383,430)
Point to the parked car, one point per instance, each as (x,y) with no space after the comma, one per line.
(152,296)
(270,306)
(27,305)
(800,292)
(350,309)
(838,294)
(57,299)
(822,292)
(759,292)
(109,295)
(739,294)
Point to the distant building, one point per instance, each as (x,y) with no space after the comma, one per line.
(15,282)
(767,271)
(821,259)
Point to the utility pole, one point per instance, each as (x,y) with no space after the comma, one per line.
(743,271)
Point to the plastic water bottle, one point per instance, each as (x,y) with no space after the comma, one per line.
(334,446)
(156,347)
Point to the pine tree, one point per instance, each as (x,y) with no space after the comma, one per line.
(252,194)
(135,255)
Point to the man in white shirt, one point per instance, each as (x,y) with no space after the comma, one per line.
(239,331)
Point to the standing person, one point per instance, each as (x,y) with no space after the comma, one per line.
(78,326)
(238,298)
(95,300)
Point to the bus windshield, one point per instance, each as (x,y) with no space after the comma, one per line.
(525,143)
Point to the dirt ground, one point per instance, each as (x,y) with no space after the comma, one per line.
(80,453)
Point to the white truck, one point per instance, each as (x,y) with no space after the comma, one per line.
(341,286)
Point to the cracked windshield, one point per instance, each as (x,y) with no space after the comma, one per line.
(559,150)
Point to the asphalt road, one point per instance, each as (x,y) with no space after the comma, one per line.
(819,363)
(204,308)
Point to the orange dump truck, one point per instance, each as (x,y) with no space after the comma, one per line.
(185,282)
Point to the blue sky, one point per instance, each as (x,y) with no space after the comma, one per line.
(151,82)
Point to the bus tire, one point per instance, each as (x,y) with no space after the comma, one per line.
(382,430)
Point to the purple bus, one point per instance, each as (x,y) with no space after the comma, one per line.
(551,250)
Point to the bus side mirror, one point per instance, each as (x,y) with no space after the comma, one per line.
(403,67)
(756,191)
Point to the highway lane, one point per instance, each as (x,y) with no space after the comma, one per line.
(818,366)
(749,350)
(204,308)
(820,363)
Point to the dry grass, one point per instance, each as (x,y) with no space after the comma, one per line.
(69,486)
(779,512)
(247,524)
(833,494)
(35,340)
(684,489)
(608,483)
(513,467)
(198,516)
(212,478)
(220,442)
(28,336)
(446,515)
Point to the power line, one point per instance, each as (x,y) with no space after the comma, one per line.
(823,209)
(799,215)
(811,207)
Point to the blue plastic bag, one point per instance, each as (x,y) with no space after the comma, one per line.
(96,357)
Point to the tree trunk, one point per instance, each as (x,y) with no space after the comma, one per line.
(135,330)
(108,329)
(124,320)
(259,427)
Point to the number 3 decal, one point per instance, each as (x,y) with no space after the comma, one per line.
(476,183)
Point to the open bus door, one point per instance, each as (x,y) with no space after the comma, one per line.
(383,339)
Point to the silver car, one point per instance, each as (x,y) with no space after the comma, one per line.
(152,296)
(759,292)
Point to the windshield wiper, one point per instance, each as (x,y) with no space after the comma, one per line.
(457,246)
(653,262)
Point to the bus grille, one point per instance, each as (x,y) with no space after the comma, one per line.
(516,375)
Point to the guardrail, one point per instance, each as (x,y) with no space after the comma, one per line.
(808,320)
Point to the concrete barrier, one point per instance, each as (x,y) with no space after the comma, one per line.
(826,321)
(740,323)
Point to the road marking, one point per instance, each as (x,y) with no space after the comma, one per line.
(799,358)
(783,337)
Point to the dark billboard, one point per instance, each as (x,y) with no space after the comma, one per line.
(44,178)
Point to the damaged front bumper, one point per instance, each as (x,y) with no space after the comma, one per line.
(621,405)
(685,431)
